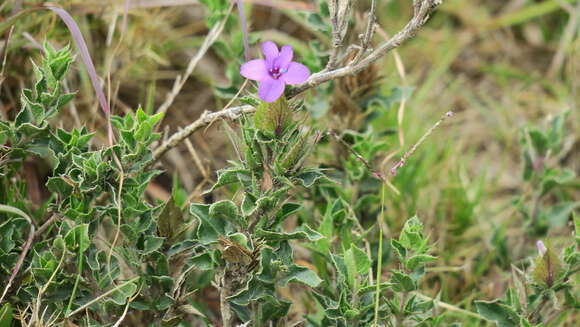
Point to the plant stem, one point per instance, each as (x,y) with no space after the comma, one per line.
(226,311)
(98,298)
(77,280)
(448,306)
(380,256)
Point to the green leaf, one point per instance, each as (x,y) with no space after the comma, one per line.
(556,178)
(248,205)
(170,220)
(558,214)
(418,260)
(556,131)
(547,269)
(209,228)
(6,315)
(203,261)
(402,282)
(303,232)
(230,176)
(59,186)
(326,228)
(253,291)
(227,210)
(495,311)
(399,249)
(121,295)
(411,237)
(152,243)
(287,210)
(273,118)
(539,141)
(299,274)
(78,237)
(309,177)
(357,263)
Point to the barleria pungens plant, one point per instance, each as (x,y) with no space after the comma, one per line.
(152,248)
(101,252)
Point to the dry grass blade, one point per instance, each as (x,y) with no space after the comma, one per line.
(211,37)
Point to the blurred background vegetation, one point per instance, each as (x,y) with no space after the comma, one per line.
(503,66)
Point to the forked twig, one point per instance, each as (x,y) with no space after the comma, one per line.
(414,148)
(339,18)
(422,10)
(369,32)
(205,119)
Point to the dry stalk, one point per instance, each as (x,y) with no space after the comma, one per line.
(180,81)
(369,32)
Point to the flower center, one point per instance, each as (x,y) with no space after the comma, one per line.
(276,72)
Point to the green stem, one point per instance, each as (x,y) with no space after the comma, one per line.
(380,257)
(98,298)
(81,256)
(448,306)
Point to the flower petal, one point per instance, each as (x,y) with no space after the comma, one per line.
(284,58)
(255,70)
(270,51)
(270,89)
(297,73)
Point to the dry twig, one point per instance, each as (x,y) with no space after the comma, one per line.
(339,18)
(369,32)
(206,118)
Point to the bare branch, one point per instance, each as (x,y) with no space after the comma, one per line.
(206,118)
(422,10)
(339,17)
(369,32)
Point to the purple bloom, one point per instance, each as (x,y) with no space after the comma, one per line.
(541,248)
(274,72)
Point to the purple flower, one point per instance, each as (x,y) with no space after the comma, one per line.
(274,72)
(541,248)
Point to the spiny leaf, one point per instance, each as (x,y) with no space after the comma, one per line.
(548,268)
(170,220)
(299,274)
(227,210)
(304,232)
(273,118)
(495,311)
